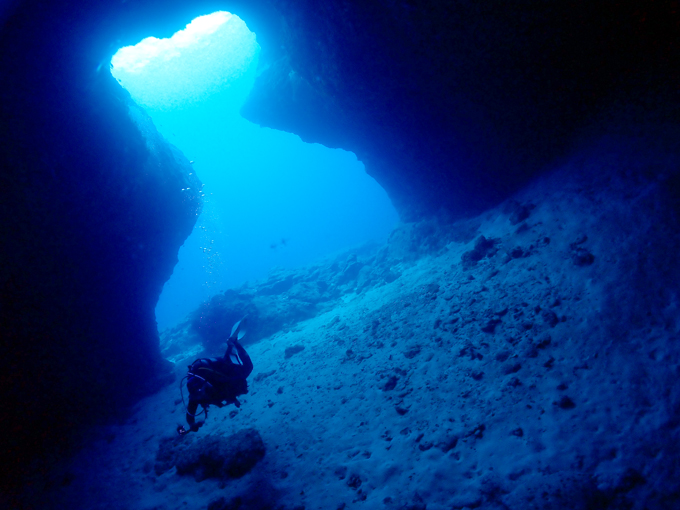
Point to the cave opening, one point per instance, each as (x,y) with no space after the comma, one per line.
(270,200)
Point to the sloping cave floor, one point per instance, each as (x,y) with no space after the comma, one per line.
(516,372)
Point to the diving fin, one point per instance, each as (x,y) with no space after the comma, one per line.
(239,329)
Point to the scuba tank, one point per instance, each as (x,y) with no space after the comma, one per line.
(199,385)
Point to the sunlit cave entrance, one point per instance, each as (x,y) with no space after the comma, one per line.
(270,200)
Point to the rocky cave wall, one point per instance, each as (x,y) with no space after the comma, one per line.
(451,106)
(92,217)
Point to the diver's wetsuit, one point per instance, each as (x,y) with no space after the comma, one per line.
(214,380)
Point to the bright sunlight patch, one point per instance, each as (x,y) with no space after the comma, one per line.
(201,60)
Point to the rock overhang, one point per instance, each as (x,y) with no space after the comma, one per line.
(450,105)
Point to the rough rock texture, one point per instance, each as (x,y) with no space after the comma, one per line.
(288,297)
(211,456)
(525,382)
(284,299)
(449,104)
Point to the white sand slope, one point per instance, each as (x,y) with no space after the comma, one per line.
(536,377)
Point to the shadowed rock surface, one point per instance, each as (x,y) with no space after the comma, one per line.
(92,218)
(211,456)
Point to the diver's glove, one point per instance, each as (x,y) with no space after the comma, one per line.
(181,430)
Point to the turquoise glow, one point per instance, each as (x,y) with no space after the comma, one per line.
(270,199)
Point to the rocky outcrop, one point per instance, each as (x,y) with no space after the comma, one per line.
(211,456)
(280,302)
(290,296)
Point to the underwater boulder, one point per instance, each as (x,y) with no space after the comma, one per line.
(483,248)
(222,457)
(212,456)
(213,320)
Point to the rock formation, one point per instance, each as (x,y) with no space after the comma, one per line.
(451,106)
(527,364)
(95,205)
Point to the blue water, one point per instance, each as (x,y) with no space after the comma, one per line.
(271,200)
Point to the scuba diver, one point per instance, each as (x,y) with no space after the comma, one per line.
(217,381)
